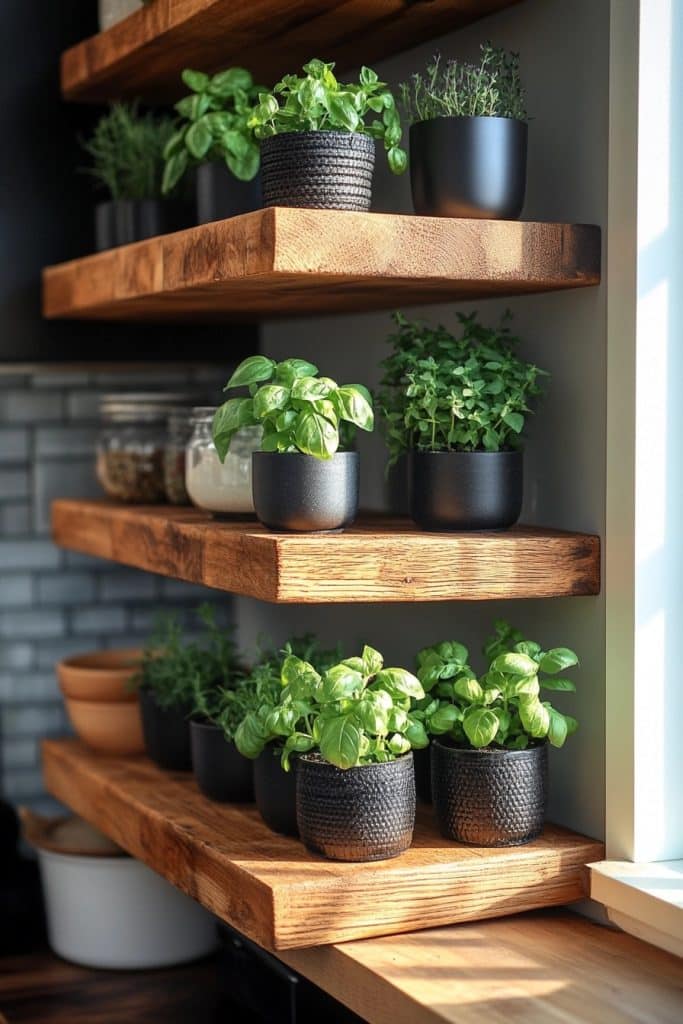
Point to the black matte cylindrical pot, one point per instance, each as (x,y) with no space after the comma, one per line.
(468,167)
(466,490)
(121,221)
(166,732)
(322,170)
(221,772)
(299,493)
(489,797)
(356,814)
(220,194)
(275,791)
(422,762)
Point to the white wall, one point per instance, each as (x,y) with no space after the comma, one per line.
(564,52)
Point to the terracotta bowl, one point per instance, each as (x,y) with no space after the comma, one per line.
(100,675)
(111,728)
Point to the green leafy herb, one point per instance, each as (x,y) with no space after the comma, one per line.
(317,102)
(298,411)
(127,150)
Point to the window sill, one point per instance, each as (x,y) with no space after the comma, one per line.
(645,900)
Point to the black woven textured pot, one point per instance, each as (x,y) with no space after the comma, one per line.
(468,167)
(490,797)
(220,194)
(166,732)
(295,492)
(221,772)
(121,221)
(357,814)
(323,170)
(422,761)
(466,490)
(275,792)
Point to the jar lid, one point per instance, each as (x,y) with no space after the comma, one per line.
(203,413)
(143,406)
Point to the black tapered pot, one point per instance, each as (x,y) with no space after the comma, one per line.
(466,490)
(121,221)
(468,167)
(357,814)
(166,732)
(422,762)
(275,791)
(220,194)
(323,170)
(299,493)
(489,797)
(221,772)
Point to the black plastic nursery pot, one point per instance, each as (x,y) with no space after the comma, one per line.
(468,167)
(220,194)
(121,221)
(322,170)
(489,797)
(275,791)
(299,493)
(221,772)
(166,732)
(357,814)
(466,490)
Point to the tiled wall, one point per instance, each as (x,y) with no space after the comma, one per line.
(53,602)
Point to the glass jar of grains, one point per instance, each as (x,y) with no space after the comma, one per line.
(223,489)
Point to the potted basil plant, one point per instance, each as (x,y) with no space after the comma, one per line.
(468,137)
(318,138)
(491,735)
(305,476)
(212,136)
(458,406)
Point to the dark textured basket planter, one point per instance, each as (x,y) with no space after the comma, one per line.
(299,493)
(220,194)
(122,221)
(275,792)
(490,797)
(360,814)
(422,762)
(322,170)
(466,490)
(166,732)
(221,772)
(468,167)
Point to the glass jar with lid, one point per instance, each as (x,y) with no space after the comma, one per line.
(224,489)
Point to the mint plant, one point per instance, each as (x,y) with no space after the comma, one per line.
(298,411)
(317,102)
(443,393)
(126,148)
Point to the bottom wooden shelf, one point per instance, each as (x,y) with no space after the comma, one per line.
(275,892)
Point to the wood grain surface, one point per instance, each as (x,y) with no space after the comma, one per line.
(377,560)
(275,892)
(280,261)
(144,54)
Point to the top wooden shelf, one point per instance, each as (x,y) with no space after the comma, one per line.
(144,54)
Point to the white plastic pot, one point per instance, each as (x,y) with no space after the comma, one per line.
(115,912)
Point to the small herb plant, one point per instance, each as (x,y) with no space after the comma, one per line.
(127,152)
(441,393)
(317,102)
(298,411)
(502,709)
(491,88)
(213,125)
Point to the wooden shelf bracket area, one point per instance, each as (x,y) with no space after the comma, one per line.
(275,892)
(283,262)
(379,560)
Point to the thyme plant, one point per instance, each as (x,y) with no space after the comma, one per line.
(127,152)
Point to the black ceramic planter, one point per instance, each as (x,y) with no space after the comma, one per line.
(299,493)
(489,797)
(323,170)
(121,221)
(166,732)
(468,167)
(221,772)
(220,194)
(466,490)
(360,814)
(275,792)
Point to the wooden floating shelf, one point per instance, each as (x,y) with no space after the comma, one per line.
(144,54)
(275,892)
(283,262)
(379,560)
